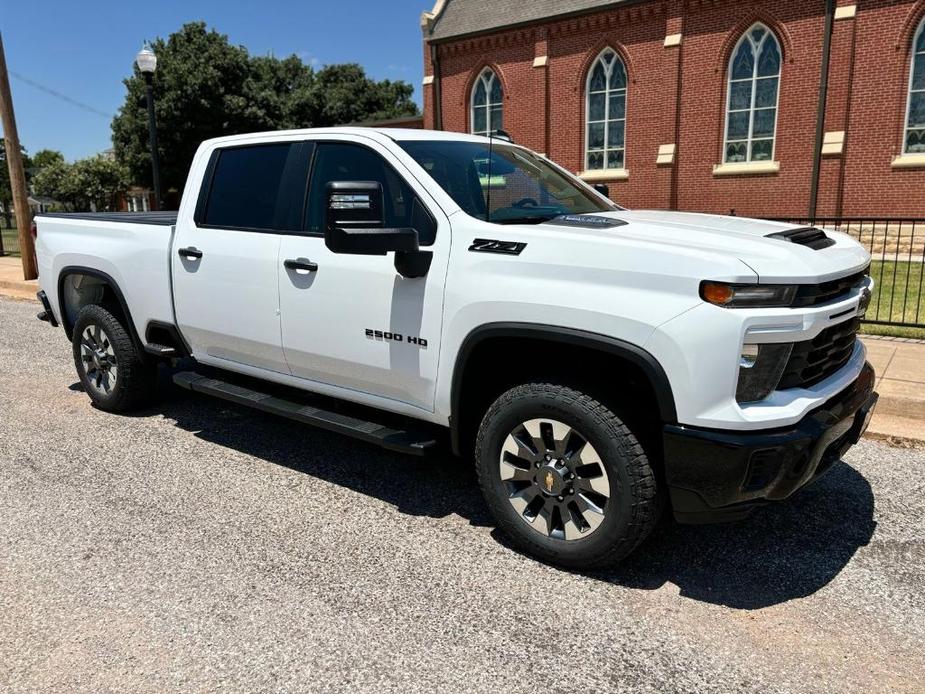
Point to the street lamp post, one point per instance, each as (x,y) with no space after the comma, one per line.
(147,64)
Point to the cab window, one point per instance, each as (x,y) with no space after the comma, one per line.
(257,187)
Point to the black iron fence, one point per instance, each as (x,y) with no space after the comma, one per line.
(9,237)
(897,250)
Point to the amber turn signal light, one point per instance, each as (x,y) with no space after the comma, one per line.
(717,293)
(747,295)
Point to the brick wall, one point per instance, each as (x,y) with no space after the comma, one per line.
(676,95)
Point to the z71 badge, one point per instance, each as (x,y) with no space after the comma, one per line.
(495,246)
(396,337)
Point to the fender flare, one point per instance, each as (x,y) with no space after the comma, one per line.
(570,336)
(112,284)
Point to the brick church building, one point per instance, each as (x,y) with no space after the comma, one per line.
(788,108)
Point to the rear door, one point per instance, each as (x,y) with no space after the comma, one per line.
(226,260)
(353,321)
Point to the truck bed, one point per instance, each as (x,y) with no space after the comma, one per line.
(158,218)
(131,250)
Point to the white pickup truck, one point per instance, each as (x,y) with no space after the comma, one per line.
(413,288)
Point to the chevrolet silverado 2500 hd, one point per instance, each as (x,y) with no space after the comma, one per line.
(599,364)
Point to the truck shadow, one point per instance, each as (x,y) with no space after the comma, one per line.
(780,553)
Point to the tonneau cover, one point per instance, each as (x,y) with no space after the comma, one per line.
(157,218)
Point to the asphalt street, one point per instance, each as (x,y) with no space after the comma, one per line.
(202,547)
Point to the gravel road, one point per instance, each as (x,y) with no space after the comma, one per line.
(201,547)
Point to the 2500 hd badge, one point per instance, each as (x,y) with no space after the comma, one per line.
(396,337)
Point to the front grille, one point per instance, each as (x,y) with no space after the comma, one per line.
(810,237)
(815,294)
(817,359)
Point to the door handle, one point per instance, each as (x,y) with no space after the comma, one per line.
(191,252)
(303,264)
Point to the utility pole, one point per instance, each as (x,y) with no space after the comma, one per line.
(17,175)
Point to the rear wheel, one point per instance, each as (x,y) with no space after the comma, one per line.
(565,478)
(111,370)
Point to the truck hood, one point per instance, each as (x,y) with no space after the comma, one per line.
(774,260)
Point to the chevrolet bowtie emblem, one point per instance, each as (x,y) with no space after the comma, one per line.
(550,480)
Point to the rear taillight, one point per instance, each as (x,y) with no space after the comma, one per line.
(34,230)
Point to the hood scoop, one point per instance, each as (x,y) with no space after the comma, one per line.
(810,237)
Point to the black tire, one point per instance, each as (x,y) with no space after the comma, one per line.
(132,382)
(624,520)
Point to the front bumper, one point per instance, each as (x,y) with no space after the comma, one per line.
(722,475)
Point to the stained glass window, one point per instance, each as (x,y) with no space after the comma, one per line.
(605,113)
(751,99)
(487,106)
(915,118)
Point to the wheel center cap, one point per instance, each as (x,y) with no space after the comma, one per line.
(550,480)
(99,360)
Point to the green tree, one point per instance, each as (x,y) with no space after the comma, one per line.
(98,181)
(205,87)
(346,95)
(86,184)
(45,157)
(6,188)
(54,181)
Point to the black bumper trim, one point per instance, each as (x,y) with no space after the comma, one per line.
(715,475)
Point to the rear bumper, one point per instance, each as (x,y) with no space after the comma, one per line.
(721,475)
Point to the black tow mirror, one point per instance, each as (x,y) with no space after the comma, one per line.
(354,221)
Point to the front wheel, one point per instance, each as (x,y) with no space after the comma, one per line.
(566,480)
(111,370)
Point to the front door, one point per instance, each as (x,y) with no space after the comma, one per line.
(226,262)
(354,322)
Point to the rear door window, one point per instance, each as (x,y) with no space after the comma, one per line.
(258,187)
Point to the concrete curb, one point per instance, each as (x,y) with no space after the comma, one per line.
(895,441)
(19,289)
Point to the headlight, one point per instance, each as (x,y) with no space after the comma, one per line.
(747,295)
(760,369)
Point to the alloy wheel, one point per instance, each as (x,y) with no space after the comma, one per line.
(98,359)
(555,479)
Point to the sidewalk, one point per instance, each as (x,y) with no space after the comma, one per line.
(900,366)
(11,281)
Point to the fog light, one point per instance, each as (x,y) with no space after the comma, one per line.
(760,369)
(749,356)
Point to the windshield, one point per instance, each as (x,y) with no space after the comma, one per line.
(511,186)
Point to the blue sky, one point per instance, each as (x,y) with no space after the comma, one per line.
(83,50)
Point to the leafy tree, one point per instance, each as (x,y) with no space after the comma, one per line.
(6,187)
(98,181)
(205,87)
(54,181)
(45,157)
(347,95)
(86,184)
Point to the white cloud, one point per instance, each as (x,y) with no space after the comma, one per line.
(309,59)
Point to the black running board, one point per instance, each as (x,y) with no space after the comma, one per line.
(401,440)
